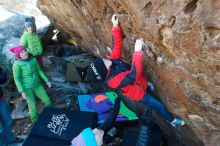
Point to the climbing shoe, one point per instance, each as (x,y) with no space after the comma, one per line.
(177,122)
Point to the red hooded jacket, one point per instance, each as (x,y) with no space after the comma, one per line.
(129,79)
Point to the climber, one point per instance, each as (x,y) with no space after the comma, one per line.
(27,73)
(6,135)
(129,80)
(31,41)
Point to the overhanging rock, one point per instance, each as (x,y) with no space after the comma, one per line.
(183,59)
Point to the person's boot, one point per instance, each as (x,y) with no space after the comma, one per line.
(177,122)
(144,133)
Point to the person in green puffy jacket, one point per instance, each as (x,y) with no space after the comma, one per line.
(27,73)
(31,41)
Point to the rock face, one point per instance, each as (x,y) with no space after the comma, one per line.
(12,27)
(183,60)
(56,69)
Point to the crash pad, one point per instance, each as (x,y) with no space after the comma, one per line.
(63,124)
(76,71)
(102,103)
(44,141)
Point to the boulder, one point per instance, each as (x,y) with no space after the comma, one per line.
(12,27)
(182,60)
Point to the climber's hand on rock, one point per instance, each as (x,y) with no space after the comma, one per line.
(138,45)
(24,95)
(49,84)
(115,20)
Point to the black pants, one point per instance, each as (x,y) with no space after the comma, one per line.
(134,106)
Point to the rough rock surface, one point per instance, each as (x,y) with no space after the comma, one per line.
(183,60)
(62,90)
(11,28)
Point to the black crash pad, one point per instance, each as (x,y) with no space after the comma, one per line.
(42,141)
(60,124)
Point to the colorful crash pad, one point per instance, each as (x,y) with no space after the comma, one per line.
(102,103)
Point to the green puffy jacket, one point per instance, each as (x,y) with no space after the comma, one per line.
(26,74)
(32,43)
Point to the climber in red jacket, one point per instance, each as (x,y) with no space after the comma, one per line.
(130,81)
